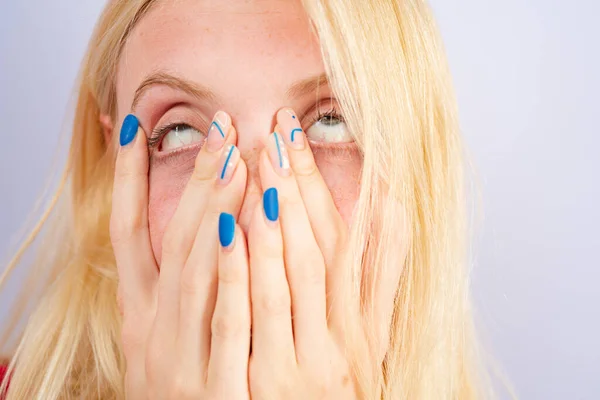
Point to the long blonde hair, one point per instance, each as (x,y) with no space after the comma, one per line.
(387,67)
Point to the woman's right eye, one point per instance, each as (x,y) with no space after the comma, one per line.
(179,136)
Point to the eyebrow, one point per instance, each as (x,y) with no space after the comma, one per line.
(196,90)
(307,86)
(201,92)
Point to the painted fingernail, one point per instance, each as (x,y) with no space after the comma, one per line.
(278,154)
(128,129)
(291,128)
(226,229)
(271,204)
(217,133)
(229,161)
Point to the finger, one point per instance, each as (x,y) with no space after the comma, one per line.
(183,226)
(198,280)
(230,342)
(136,266)
(329,228)
(303,259)
(328,225)
(272,337)
(129,232)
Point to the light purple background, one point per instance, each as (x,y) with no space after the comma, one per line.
(526,74)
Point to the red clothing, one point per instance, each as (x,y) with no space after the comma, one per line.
(3,370)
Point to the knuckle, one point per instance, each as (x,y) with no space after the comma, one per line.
(306,168)
(182,387)
(312,272)
(227,327)
(231,274)
(275,305)
(124,228)
(204,170)
(269,249)
(266,382)
(174,242)
(291,201)
(320,383)
(188,285)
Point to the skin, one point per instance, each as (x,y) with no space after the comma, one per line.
(192,308)
(215,44)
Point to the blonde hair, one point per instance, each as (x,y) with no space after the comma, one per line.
(387,67)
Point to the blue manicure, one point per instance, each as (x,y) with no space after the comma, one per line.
(226,229)
(271,204)
(128,129)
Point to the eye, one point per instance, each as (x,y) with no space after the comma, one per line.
(329,128)
(179,135)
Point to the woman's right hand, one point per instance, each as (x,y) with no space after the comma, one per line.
(181,340)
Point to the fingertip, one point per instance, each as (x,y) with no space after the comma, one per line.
(271,204)
(129,130)
(227,229)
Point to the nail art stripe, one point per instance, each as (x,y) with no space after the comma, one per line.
(218,127)
(294,133)
(227,162)
(278,149)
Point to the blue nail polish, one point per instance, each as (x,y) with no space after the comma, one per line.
(128,129)
(294,133)
(271,204)
(227,161)
(214,123)
(226,229)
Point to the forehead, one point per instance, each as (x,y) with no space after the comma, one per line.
(234,47)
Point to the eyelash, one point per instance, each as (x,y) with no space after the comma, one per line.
(331,113)
(159,133)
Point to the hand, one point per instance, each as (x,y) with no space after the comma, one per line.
(295,242)
(181,340)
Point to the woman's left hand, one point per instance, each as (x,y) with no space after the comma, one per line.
(294,240)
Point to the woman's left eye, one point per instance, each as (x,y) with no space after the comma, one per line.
(179,136)
(329,128)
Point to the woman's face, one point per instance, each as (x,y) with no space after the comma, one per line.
(187,59)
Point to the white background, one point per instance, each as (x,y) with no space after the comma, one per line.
(526,73)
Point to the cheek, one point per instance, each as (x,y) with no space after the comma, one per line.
(341,171)
(165,190)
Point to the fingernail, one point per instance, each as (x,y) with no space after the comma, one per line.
(217,133)
(128,129)
(291,128)
(229,161)
(278,154)
(226,229)
(271,204)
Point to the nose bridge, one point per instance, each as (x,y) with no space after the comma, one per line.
(252,132)
(253,195)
